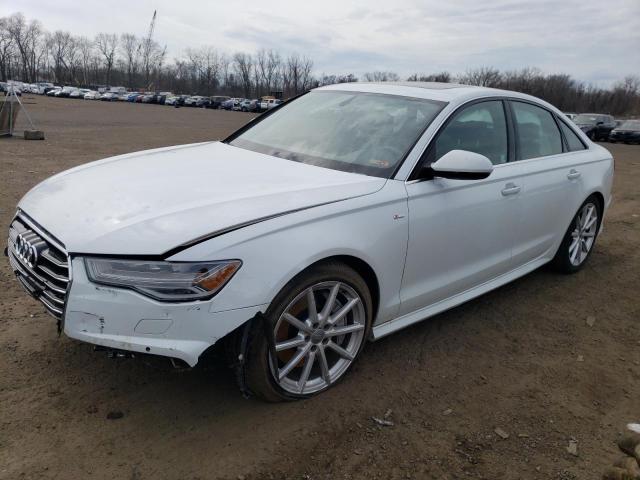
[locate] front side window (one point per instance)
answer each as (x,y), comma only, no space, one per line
(480,128)
(349,131)
(536,131)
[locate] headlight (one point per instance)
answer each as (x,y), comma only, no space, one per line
(165,281)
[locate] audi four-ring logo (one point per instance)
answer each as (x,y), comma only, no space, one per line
(27,252)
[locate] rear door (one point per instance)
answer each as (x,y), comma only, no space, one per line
(461,231)
(551,156)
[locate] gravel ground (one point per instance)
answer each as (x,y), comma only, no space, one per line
(496,388)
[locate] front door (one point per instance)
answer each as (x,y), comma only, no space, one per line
(461,232)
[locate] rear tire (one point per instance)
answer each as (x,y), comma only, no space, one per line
(580,237)
(314,347)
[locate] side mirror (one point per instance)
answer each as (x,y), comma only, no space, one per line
(600,123)
(462,165)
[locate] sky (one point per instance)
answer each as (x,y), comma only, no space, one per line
(593,40)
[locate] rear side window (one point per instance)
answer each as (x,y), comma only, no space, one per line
(480,128)
(573,142)
(536,132)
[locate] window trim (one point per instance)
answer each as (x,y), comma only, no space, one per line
(413,176)
(563,140)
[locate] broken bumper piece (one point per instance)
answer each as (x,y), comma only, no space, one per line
(121,319)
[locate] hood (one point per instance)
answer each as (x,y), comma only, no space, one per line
(149,202)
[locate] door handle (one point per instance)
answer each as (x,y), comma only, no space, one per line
(573,174)
(510,189)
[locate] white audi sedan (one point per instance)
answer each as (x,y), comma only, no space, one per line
(339,217)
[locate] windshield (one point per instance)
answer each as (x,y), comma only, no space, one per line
(630,125)
(587,119)
(349,131)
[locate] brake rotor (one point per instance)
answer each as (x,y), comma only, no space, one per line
(283,333)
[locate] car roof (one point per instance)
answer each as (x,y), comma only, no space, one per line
(446,92)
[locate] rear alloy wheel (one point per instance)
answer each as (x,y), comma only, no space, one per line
(319,327)
(580,237)
(583,235)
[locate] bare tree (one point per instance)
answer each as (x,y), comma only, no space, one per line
(306,69)
(629,85)
(381,77)
(333,79)
(87,55)
(107,43)
(626,94)
(243,66)
(152,58)
(194,65)
(483,77)
(59,44)
(26,37)
(130,47)
(74,61)
(210,69)
(6,48)
(443,77)
(522,80)
(268,63)
(296,74)
(204,68)
(226,72)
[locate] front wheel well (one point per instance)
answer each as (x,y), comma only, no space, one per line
(230,341)
(364,270)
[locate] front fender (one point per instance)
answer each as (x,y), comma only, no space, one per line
(372,228)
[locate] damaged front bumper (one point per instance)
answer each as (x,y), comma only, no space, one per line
(122,319)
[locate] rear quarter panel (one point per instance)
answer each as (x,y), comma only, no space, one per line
(597,167)
(600,172)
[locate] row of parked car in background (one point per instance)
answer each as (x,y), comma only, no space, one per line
(603,127)
(597,126)
(114,94)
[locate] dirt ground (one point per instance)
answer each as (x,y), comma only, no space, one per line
(522,359)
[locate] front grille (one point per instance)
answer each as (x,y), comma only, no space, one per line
(40,263)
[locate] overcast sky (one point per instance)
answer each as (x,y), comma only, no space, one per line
(594,40)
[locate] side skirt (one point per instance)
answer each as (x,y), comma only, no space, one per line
(399,323)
